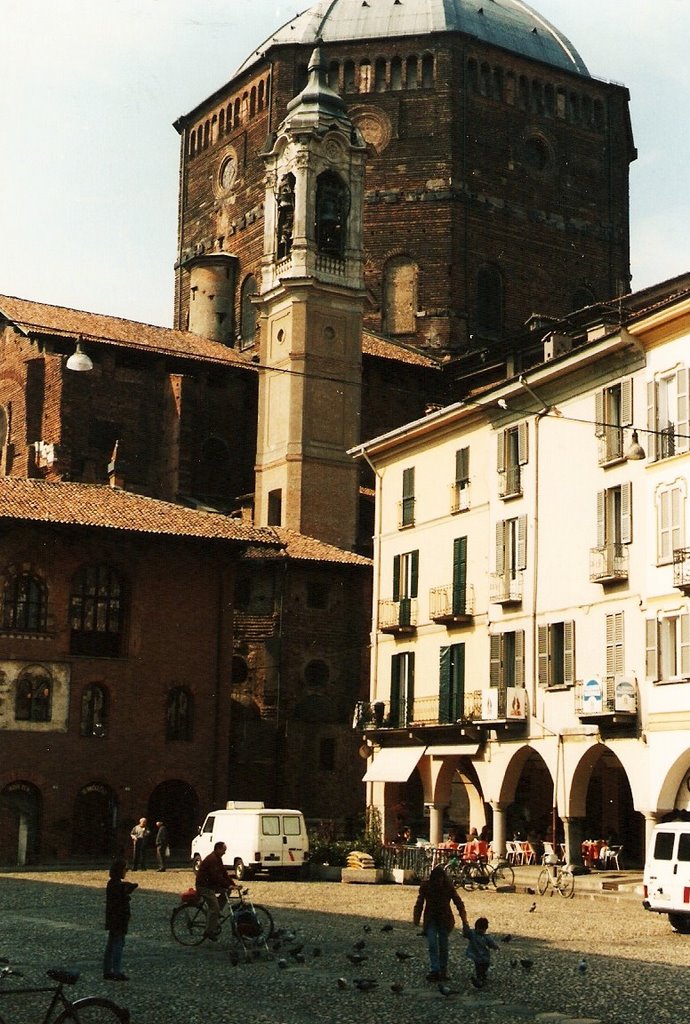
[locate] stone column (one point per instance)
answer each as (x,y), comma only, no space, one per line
(574,834)
(498,842)
(651,820)
(436,823)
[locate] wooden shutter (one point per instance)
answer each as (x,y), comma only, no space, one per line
(500,548)
(522,443)
(601,519)
(444,685)
(522,542)
(462,465)
(414,573)
(519,657)
(396,578)
(408,483)
(495,649)
(651,649)
(410,687)
(626,513)
(395,689)
(543,655)
(683,428)
(501,451)
(664,551)
(677,520)
(459,575)
(615,651)
(569,653)
(685,644)
(626,402)
(458,676)
(651,422)
(599,405)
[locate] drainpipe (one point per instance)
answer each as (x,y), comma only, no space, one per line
(376,590)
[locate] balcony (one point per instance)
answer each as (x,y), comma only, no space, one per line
(506,588)
(611,446)
(406,517)
(422,713)
(398,617)
(510,482)
(502,704)
(681,569)
(459,496)
(445,611)
(614,697)
(608,564)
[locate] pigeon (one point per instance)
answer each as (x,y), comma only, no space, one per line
(365,984)
(356,958)
(341,983)
(366,929)
(282,964)
(387,928)
(445,990)
(527,964)
(531,892)
(532,908)
(582,966)
(359,945)
(397,987)
(507,938)
(514,961)
(402,954)
(316,951)
(299,958)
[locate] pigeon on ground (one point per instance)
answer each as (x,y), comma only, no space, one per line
(532,908)
(341,983)
(507,938)
(365,984)
(387,928)
(359,945)
(397,987)
(402,954)
(531,892)
(366,928)
(356,958)
(514,961)
(446,990)
(527,964)
(282,964)
(582,966)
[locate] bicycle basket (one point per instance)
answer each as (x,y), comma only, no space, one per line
(247,924)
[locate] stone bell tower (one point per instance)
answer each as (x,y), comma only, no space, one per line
(310,309)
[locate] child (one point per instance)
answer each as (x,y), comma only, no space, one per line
(479,946)
(435,897)
(117,914)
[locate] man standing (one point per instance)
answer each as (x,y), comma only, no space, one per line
(161,844)
(140,837)
(212,882)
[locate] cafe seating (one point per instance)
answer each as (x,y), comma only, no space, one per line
(549,852)
(611,855)
(514,853)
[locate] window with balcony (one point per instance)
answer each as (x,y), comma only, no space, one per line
(512,456)
(668,646)
(460,489)
(451,691)
(556,654)
(668,414)
(613,412)
(670,502)
(408,500)
(453,602)
(507,659)
(405,584)
(609,559)
(511,560)
(402,689)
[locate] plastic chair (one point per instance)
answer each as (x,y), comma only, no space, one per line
(612,856)
(548,852)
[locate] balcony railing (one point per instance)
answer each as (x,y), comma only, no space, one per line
(459,496)
(510,483)
(681,569)
(611,445)
(666,441)
(398,616)
(472,706)
(506,588)
(608,563)
(406,513)
(614,695)
(442,607)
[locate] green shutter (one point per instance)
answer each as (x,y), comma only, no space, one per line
(459,575)
(410,688)
(395,689)
(414,573)
(444,685)
(457,709)
(396,578)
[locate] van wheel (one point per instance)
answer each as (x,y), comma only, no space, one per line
(242,871)
(681,923)
(196,861)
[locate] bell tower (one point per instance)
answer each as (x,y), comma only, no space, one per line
(310,309)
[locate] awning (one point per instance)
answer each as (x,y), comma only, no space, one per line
(393,764)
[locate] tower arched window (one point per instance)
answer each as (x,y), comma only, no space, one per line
(221,122)
(396,73)
(261,94)
(248,312)
(349,71)
(334,75)
(24,603)
(380,74)
(179,715)
(365,76)
(427,71)
(285,216)
(332,208)
(252,101)
(411,73)
(400,283)
(94,711)
(97,612)
(192,143)
(33,695)
(489,301)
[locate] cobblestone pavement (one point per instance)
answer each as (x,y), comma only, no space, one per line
(637,968)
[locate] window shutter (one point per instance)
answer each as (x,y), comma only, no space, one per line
(543,655)
(396,578)
(500,548)
(619,646)
(685,644)
(601,519)
(665,528)
(522,443)
(599,429)
(501,451)
(569,653)
(610,645)
(459,679)
(444,685)
(522,542)
(519,657)
(462,465)
(683,428)
(414,572)
(395,689)
(410,686)
(495,646)
(677,517)
(459,575)
(626,402)
(651,649)
(408,483)
(651,422)
(626,513)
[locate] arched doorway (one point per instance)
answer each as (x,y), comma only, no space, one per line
(94,820)
(20,823)
(602,799)
(177,804)
(404,803)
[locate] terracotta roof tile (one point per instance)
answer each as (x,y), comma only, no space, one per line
(308,549)
(382,348)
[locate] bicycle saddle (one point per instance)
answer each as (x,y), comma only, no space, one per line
(65,977)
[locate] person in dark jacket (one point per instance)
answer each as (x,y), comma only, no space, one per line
(433,909)
(117,914)
(212,882)
(162,848)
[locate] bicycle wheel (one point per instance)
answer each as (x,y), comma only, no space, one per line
(188,924)
(94,1010)
(264,918)
(566,884)
(469,877)
(544,881)
(503,876)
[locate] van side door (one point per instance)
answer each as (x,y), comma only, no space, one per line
(293,840)
(272,845)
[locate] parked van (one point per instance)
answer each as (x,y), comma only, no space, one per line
(258,838)
(667,874)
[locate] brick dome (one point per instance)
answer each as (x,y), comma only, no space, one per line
(510,24)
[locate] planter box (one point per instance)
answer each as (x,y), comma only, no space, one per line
(363,876)
(324,873)
(401,876)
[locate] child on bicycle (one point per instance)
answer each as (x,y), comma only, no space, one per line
(479,946)
(435,897)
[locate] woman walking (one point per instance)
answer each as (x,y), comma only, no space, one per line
(433,909)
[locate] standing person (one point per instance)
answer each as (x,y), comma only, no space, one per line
(140,837)
(435,897)
(479,946)
(162,850)
(212,882)
(117,914)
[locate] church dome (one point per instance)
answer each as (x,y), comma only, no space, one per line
(510,24)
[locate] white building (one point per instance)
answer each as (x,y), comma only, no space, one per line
(531,630)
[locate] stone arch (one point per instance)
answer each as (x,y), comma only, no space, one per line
(600,802)
(94,820)
(21,814)
(176,803)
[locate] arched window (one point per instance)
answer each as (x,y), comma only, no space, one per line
(334,75)
(498,84)
(549,101)
(94,711)
(33,695)
(427,71)
(207,134)
(261,94)
(179,725)
(396,73)
(485,80)
(316,674)
(248,312)
(349,69)
(489,301)
(221,122)
(192,143)
(365,76)
(252,101)
(332,207)
(236,113)
(411,73)
(380,74)
(97,612)
(399,306)
(24,603)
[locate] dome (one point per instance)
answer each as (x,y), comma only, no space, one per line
(510,24)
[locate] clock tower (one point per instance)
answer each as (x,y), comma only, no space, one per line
(310,315)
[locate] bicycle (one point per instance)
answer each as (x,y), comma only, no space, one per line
(557,877)
(469,874)
(188,921)
(87,1010)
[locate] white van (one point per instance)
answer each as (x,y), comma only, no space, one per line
(667,874)
(258,838)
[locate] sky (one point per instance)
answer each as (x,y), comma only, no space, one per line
(89,158)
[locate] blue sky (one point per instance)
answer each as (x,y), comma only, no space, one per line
(88,174)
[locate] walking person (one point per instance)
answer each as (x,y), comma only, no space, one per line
(140,836)
(433,909)
(479,946)
(117,914)
(212,882)
(162,848)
